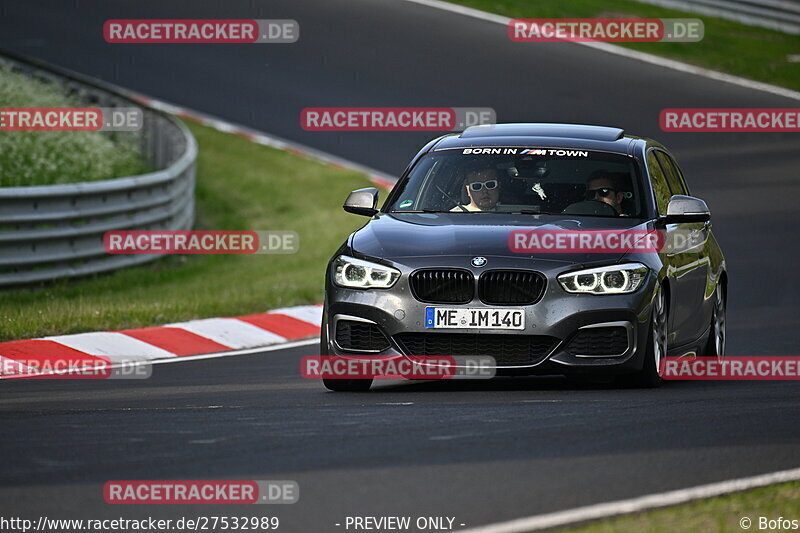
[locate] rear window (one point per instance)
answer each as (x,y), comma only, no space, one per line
(532,180)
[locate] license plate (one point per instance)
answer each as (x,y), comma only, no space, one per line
(474,318)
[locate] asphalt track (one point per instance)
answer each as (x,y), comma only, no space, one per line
(479,451)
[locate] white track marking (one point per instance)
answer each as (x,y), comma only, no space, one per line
(115,346)
(230,332)
(635,505)
(625,52)
(306,313)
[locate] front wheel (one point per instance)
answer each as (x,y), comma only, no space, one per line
(715,347)
(347,385)
(649,376)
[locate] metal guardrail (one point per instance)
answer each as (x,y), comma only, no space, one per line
(780,15)
(56,231)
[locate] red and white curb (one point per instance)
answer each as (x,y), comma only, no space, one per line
(171,341)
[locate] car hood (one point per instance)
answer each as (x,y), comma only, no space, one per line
(394,236)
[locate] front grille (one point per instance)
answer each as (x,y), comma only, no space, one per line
(508,350)
(511,287)
(443,286)
(603,341)
(353,335)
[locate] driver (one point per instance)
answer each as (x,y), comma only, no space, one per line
(605,187)
(483,189)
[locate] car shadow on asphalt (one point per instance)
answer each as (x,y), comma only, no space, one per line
(535,383)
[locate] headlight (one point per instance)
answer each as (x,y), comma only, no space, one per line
(358,274)
(615,279)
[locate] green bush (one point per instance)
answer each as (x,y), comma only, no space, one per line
(45,158)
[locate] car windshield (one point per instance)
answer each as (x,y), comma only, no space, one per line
(522,180)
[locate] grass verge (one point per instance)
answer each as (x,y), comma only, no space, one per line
(240,186)
(747,51)
(52,157)
(714,515)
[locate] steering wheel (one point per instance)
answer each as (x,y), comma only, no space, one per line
(591,207)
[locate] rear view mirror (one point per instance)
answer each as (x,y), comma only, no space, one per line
(686,209)
(362,202)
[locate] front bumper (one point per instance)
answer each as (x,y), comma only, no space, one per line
(558,314)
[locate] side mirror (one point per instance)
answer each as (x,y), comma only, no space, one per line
(686,209)
(362,202)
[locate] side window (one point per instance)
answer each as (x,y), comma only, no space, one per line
(673,177)
(680,174)
(659,181)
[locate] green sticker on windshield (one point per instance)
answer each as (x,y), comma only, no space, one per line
(406,203)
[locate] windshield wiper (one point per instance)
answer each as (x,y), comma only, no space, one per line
(531,212)
(419,211)
(522,212)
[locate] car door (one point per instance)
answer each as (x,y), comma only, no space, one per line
(697,264)
(682,265)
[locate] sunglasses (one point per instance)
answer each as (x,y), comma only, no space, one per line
(478,185)
(603,192)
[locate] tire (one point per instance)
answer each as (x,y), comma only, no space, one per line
(347,385)
(715,346)
(648,376)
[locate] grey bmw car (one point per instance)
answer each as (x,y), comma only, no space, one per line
(434,271)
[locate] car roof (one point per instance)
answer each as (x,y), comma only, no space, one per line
(541,134)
